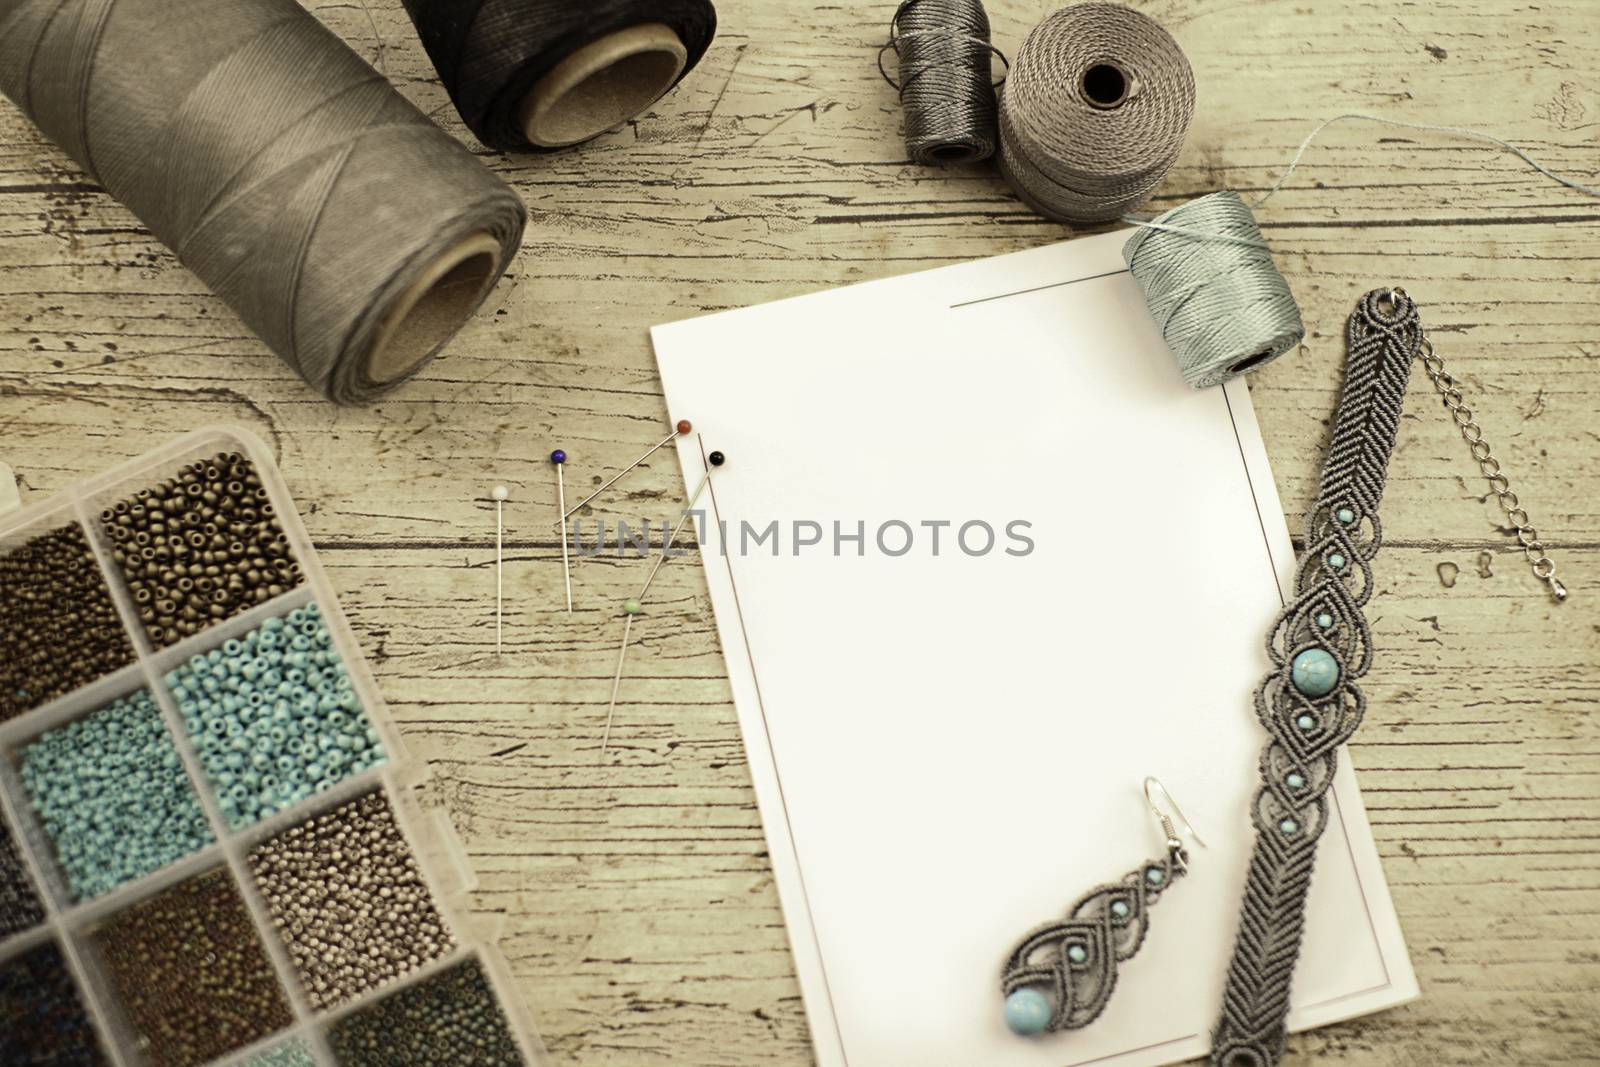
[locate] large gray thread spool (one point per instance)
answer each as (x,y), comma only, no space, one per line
(339,223)
(1094,112)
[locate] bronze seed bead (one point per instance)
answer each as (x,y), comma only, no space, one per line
(194,522)
(190,971)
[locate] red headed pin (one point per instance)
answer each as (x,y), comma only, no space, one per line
(683,427)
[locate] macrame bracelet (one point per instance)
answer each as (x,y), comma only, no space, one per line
(1309,702)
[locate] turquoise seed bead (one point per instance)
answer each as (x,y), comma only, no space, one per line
(112,795)
(1119,909)
(1336,560)
(1314,672)
(1155,875)
(1288,826)
(1306,722)
(1324,620)
(1344,516)
(1027,1012)
(1295,780)
(1076,954)
(267,708)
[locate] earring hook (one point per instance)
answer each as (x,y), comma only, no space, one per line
(1152,785)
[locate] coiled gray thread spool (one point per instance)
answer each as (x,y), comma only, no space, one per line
(1211,285)
(1094,112)
(945,86)
(339,223)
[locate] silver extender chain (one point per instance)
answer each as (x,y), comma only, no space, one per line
(1544,568)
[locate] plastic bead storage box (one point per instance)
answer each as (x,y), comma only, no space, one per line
(213,849)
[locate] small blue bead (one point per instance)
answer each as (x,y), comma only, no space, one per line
(1344,516)
(1306,722)
(1288,826)
(1155,876)
(1314,672)
(1119,909)
(1324,621)
(1336,560)
(1027,1012)
(1076,954)
(1295,780)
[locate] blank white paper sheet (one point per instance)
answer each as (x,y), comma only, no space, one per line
(948,743)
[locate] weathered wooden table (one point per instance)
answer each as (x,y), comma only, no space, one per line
(640,913)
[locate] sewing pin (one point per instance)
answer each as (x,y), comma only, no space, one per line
(500,494)
(559,458)
(634,605)
(683,427)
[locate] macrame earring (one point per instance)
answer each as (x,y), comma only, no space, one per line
(1060,977)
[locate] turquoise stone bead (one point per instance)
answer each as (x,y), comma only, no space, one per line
(1295,780)
(1155,876)
(1344,516)
(1324,621)
(1336,560)
(1288,826)
(1119,909)
(1314,672)
(1076,954)
(1027,1012)
(1306,722)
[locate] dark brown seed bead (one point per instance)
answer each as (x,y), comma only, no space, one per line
(195,527)
(58,627)
(19,904)
(349,900)
(42,1018)
(191,973)
(451,1018)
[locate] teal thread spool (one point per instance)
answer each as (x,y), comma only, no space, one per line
(265,710)
(113,796)
(1212,286)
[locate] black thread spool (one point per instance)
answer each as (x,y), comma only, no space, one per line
(537,75)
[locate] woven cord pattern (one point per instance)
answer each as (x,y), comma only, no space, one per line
(1076,958)
(1332,583)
